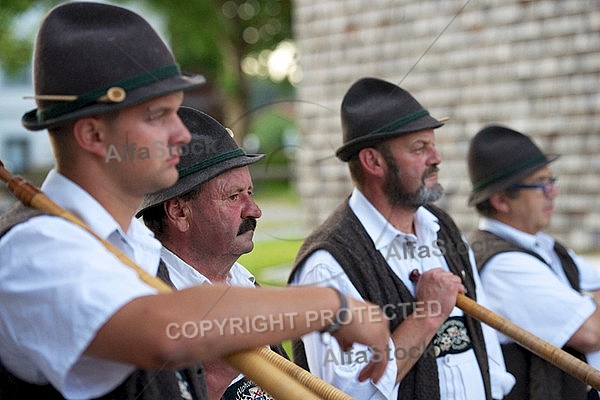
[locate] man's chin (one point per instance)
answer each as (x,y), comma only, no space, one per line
(431,194)
(169,178)
(246,247)
(245,240)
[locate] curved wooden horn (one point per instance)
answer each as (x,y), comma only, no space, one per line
(272,372)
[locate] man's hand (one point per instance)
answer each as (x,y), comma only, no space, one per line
(441,286)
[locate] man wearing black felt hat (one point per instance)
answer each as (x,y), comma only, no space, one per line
(387,231)
(76,321)
(531,279)
(205,222)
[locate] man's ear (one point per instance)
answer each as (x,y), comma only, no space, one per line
(500,202)
(178,213)
(90,135)
(372,161)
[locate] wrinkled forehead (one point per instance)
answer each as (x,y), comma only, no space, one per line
(426,136)
(234,179)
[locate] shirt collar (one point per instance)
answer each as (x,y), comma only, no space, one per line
(76,200)
(138,242)
(240,276)
(184,275)
(381,232)
(523,239)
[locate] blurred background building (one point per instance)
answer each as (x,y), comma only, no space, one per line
(532,65)
(278,70)
(21,151)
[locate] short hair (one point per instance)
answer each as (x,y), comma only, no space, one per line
(356,171)
(155,217)
(486,209)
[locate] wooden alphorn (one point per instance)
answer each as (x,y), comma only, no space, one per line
(272,372)
(538,346)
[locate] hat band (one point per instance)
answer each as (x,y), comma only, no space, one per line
(508,172)
(134,82)
(402,121)
(228,155)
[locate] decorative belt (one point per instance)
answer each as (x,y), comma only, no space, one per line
(452,338)
(245,389)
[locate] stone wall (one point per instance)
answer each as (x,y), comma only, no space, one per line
(532,65)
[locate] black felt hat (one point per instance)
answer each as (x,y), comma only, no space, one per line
(211,152)
(374,110)
(499,157)
(92,58)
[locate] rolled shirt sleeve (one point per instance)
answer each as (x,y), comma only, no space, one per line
(324,355)
(58,287)
(550,309)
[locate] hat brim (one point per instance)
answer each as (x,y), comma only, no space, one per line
(352,147)
(159,88)
(495,187)
(192,181)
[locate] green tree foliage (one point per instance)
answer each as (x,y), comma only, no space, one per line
(16,40)
(208,37)
(213,37)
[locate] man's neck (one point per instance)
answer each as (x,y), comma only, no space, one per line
(121,206)
(400,217)
(213,273)
(518,225)
(215,269)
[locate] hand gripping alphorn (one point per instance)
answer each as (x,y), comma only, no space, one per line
(538,346)
(281,378)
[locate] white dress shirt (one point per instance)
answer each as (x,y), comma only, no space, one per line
(534,296)
(183,275)
(459,374)
(59,285)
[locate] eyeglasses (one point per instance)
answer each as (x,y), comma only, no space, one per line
(546,187)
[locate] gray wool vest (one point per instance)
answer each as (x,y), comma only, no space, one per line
(536,378)
(345,238)
(140,385)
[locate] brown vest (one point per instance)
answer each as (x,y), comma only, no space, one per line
(536,378)
(345,238)
(140,385)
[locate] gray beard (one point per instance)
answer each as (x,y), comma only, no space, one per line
(397,193)
(422,196)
